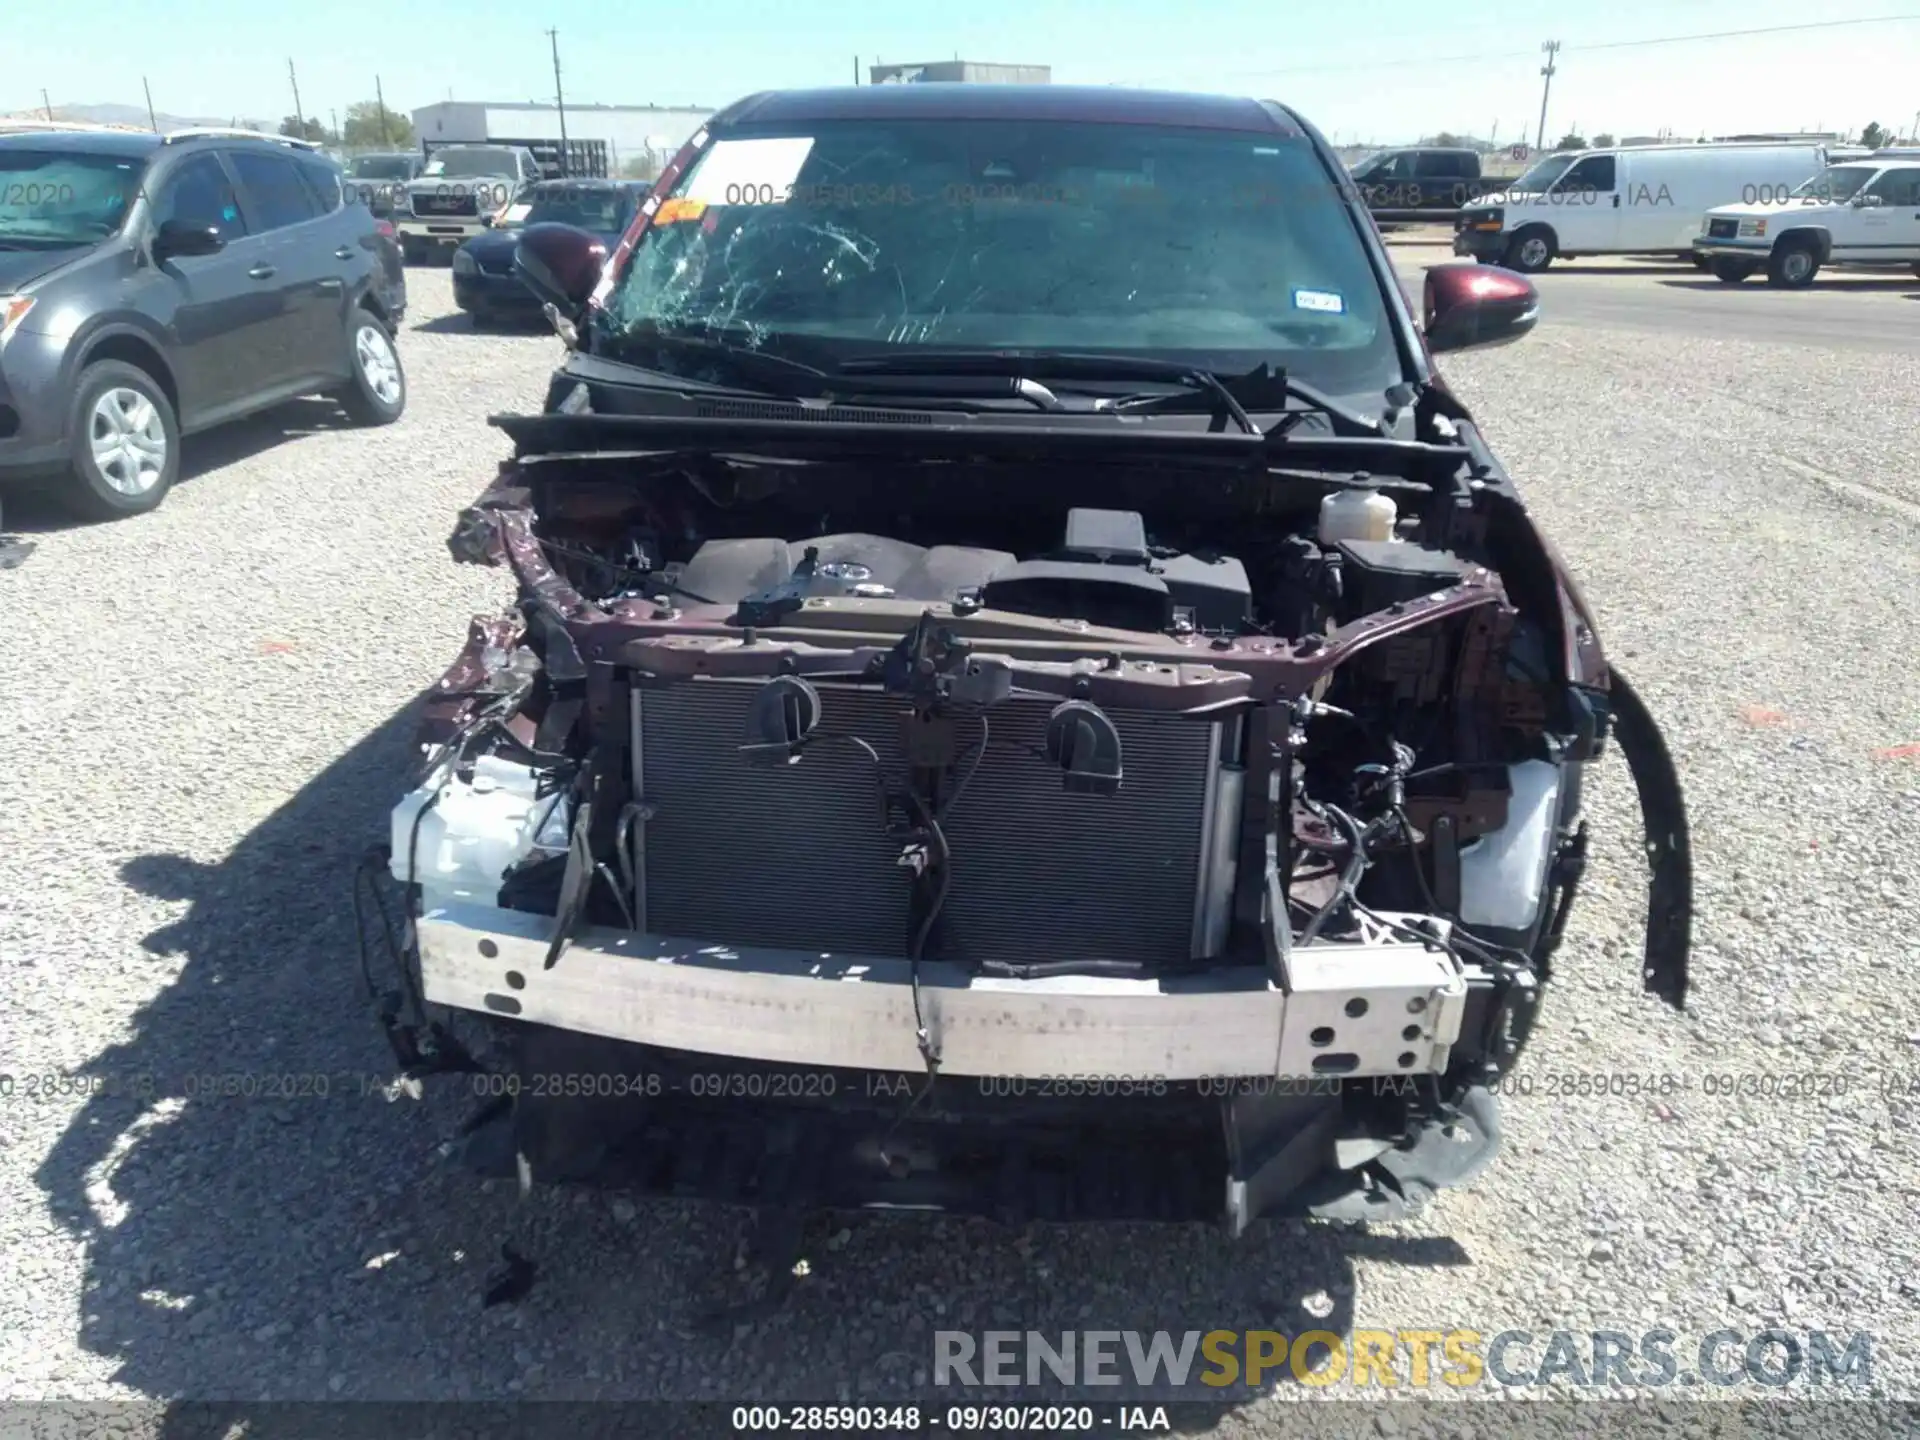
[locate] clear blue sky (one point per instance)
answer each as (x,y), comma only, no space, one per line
(1385,71)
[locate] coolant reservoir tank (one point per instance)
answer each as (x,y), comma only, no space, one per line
(1357,515)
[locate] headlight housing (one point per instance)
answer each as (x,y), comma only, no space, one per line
(464,264)
(1753,229)
(13,309)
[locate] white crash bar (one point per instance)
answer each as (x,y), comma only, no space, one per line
(802,1008)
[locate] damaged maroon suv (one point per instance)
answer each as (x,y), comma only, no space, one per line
(1028,696)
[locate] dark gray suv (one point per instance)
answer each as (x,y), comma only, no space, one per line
(154,286)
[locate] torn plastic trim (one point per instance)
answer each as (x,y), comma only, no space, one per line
(1669,844)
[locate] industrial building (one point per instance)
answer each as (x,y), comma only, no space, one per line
(963,72)
(630,132)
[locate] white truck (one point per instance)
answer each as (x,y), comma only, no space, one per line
(1629,200)
(451,199)
(1863,212)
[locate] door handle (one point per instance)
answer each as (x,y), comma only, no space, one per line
(345,252)
(1616,202)
(260,272)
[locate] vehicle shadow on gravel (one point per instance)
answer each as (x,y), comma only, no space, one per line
(271,1227)
(34,510)
(461,323)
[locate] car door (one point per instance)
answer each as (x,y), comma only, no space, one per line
(1585,206)
(206,302)
(1441,177)
(303,342)
(1887,226)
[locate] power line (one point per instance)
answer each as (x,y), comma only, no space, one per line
(1492,55)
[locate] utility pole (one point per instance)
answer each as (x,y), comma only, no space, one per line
(856,69)
(335,116)
(48,104)
(560,105)
(1550,49)
(152,119)
(381,100)
(299,115)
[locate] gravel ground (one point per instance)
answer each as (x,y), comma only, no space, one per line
(206,712)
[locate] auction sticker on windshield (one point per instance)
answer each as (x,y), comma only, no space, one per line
(749,172)
(1327,302)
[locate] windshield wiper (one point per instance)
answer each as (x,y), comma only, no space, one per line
(771,374)
(1055,365)
(1261,389)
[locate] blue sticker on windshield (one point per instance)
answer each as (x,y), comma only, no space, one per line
(1328,302)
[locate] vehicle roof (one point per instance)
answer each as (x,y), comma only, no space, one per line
(86,142)
(1099,104)
(1893,152)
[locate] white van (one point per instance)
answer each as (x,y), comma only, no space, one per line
(1860,212)
(1634,200)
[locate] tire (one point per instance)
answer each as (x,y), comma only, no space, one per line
(123,443)
(1731,269)
(1699,262)
(1530,251)
(1793,264)
(377,393)
(412,252)
(1916,272)
(481,320)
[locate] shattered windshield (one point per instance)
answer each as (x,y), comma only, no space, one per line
(1217,248)
(1835,185)
(52,198)
(466,164)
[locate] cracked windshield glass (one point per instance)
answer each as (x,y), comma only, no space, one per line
(858,237)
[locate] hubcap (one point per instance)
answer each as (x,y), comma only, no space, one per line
(378,365)
(128,440)
(1533,251)
(1798,264)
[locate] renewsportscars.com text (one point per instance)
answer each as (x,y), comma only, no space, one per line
(1414,1359)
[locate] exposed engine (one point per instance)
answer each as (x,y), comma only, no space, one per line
(1243,779)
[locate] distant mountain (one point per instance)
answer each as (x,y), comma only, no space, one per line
(137,115)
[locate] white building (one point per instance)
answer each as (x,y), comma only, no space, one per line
(631,132)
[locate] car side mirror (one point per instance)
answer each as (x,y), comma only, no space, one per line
(561,264)
(1472,306)
(1868,202)
(177,238)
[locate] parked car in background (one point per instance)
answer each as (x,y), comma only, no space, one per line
(1631,200)
(484,282)
(1865,212)
(456,189)
(1421,182)
(380,181)
(152,286)
(1026,692)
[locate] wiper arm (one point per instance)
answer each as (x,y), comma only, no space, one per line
(775,374)
(1055,365)
(1282,387)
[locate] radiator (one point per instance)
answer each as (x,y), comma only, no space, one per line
(796,856)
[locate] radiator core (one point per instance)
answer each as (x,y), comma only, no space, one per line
(796,856)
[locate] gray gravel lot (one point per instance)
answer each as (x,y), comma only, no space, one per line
(207,710)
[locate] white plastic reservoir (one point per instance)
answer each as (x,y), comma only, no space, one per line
(474,832)
(1502,875)
(1357,515)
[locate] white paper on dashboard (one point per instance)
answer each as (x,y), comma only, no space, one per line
(749,172)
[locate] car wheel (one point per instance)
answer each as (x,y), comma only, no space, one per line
(1731,269)
(124,443)
(479,320)
(1699,262)
(412,252)
(1531,251)
(377,394)
(1793,264)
